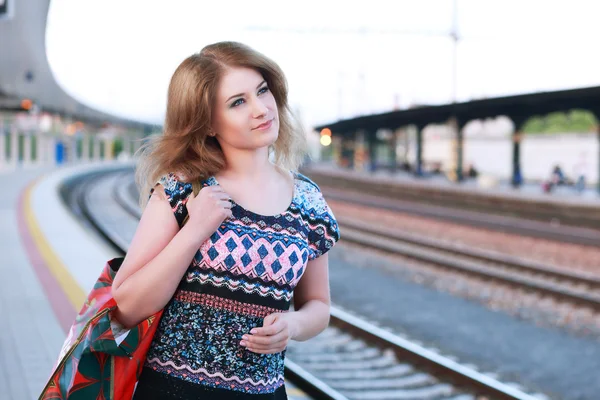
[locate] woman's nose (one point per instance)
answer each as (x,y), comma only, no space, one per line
(259,109)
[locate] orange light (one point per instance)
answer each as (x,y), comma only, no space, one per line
(26,104)
(325,140)
(325,132)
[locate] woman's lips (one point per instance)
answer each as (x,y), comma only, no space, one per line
(264,126)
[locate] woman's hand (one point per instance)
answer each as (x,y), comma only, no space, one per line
(209,208)
(277,330)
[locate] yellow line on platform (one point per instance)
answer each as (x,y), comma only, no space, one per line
(66,281)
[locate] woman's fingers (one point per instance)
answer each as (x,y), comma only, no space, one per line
(275,347)
(218,193)
(259,341)
(225,204)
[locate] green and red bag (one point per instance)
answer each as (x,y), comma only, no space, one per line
(91,365)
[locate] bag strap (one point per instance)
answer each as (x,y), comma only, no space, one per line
(196,187)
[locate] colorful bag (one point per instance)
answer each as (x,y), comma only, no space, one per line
(91,364)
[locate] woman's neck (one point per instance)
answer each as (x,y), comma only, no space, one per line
(248,165)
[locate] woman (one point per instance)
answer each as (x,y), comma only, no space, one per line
(256,233)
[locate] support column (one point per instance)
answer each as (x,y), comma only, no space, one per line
(393,162)
(517,136)
(336,149)
(372,145)
(39,148)
(359,157)
(347,152)
(3,133)
(85,147)
(406,133)
(96,149)
(52,139)
(349,148)
(460,150)
(35,147)
(47,149)
(598,129)
(27,149)
(597,115)
(14,146)
(109,149)
(44,149)
(419,151)
(457,126)
(517,177)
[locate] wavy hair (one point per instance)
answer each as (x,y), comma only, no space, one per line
(185,146)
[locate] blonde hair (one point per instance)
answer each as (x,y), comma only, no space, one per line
(185,146)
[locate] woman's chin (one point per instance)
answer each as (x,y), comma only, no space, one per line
(267,138)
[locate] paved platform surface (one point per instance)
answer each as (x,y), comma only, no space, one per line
(32,336)
(49,262)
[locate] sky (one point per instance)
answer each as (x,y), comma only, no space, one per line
(342,58)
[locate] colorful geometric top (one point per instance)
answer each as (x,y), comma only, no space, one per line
(245,271)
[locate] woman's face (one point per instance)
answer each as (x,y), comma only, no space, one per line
(245,115)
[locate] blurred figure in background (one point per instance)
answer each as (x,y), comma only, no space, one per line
(557,178)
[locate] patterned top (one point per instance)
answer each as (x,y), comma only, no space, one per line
(246,270)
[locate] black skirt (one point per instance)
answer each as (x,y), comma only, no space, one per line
(158,386)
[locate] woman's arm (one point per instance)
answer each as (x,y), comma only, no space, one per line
(160,253)
(156,260)
(311,301)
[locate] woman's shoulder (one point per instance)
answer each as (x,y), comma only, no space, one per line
(323,228)
(174,182)
(309,195)
(169,180)
(305,183)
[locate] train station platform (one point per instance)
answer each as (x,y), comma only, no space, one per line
(50,261)
(483,185)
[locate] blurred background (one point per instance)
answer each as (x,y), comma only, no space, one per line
(457,142)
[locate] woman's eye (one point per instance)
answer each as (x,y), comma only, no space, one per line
(236,103)
(262,90)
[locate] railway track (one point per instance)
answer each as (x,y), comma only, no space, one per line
(502,223)
(546,217)
(352,359)
(580,289)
